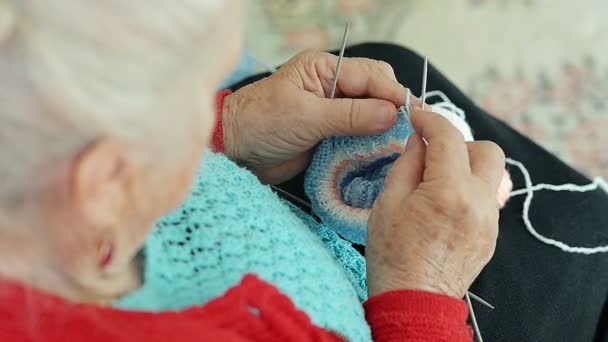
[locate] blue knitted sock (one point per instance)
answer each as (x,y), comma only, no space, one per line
(347,173)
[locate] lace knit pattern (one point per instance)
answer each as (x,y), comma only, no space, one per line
(232,225)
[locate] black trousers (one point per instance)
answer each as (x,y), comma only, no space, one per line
(540,293)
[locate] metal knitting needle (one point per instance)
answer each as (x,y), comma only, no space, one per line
(425,72)
(332,95)
(344,40)
(295,198)
(480,300)
(473,319)
(467,294)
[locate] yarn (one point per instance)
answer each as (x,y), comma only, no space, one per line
(448,110)
(529,189)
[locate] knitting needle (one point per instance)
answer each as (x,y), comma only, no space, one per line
(332,95)
(467,294)
(295,198)
(344,39)
(473,319)
(480,300)
(425,71)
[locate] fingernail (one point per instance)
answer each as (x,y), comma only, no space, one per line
(387,119)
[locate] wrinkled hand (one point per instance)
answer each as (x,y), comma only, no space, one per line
(435,226)
(271,126)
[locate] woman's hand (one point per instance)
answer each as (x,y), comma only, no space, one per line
(435,226)
(271,126)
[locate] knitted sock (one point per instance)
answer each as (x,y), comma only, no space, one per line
(347,174)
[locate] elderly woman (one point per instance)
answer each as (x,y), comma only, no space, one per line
(106,109)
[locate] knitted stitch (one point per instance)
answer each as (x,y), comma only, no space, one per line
(232,225)
(347,173)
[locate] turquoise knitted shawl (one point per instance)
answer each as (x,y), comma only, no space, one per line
(231,225)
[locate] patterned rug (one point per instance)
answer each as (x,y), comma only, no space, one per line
(540,65)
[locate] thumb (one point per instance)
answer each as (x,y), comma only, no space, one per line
(354,116)
(408,170)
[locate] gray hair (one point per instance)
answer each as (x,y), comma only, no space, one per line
(74,70)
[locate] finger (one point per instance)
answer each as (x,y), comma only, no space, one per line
(407,172)
(487,162)
(352,116)
(362,77)
(447,153)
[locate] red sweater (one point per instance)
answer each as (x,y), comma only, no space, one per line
(251,311)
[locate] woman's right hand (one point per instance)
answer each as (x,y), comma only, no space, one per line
(434,227)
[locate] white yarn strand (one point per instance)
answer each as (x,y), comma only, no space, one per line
(529,191)
(445,103)
(598,183)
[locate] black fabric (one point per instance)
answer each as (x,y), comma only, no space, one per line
(540,293)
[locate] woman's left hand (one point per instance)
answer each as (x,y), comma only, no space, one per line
(272,126)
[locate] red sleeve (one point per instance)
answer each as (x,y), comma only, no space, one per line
(417,316)
(217,142)
(252,311)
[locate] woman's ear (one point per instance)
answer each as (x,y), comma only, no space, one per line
(100,178)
